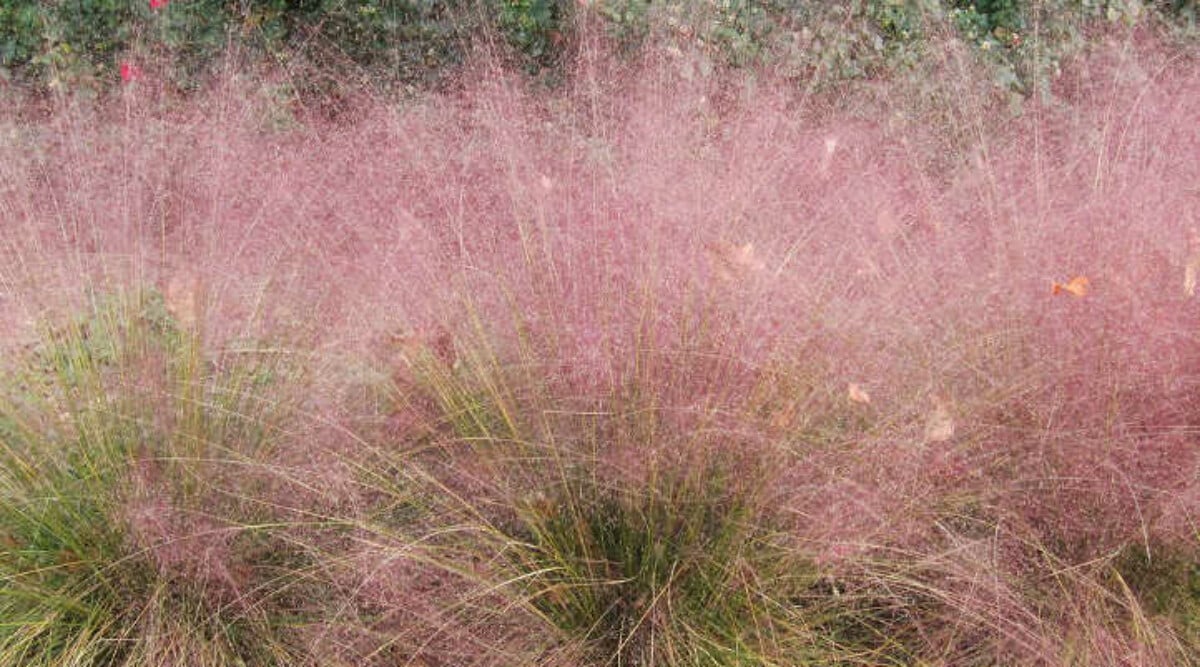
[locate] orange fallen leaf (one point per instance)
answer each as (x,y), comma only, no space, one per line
(182,298)
(939,425)
(1076,287)
(857,394)
(783,417)
(733,263)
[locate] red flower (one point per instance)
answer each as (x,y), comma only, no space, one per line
(155,4)
(130,72)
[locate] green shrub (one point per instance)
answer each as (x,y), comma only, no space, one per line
(533,27)
(20,32)
(409,42)
(994,21)
(76,42)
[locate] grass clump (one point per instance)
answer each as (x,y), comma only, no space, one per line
(627,530)
(660,575)
(118,530)
(687,572)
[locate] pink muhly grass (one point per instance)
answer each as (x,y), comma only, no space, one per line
(669,268)
(183,545)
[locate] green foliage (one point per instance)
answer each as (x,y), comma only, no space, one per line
(988,19)
(74,42)
(409,42)
(741,29)
(898,20)
(407,39)
(20,32)
(190,36)
(534,27)
(1167,583)
(628,22)
(1184,10)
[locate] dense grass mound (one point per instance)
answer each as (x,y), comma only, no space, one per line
(681,574)
(122,543)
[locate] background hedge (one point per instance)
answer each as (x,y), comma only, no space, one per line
(78,43)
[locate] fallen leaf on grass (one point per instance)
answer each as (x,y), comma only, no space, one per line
(182,298)
(732,262)
(939,425)
(1192,268)
(1076,287)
